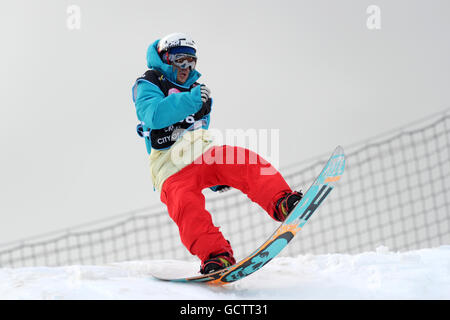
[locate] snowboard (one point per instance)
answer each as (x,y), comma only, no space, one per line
(294,222)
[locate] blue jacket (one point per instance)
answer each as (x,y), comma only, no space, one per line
(153,108)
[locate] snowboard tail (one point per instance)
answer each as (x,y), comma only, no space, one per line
(302,212)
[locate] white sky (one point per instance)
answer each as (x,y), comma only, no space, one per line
(312,69)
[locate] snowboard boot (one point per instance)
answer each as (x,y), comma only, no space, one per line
(286,204)
(217,262)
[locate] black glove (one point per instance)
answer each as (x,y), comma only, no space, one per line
(205,109)
(205,92)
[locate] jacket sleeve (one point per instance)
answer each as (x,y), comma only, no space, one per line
(158,111)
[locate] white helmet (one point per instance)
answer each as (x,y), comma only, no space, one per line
(175,40)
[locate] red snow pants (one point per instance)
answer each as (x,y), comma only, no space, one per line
(236,167)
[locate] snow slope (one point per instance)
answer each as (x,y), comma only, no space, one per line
(381,274)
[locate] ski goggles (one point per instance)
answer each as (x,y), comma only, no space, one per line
(183,60)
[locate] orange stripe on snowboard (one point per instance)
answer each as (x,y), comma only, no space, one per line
(332,179)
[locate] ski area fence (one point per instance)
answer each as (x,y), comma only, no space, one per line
(394,193)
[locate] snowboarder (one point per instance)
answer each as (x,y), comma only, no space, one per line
(174,113)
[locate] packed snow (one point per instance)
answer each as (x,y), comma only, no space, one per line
(380,274)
